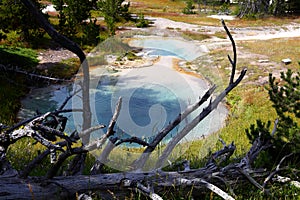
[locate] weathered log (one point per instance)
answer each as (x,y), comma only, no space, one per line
(68,187)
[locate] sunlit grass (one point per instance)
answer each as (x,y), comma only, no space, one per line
(247,104)
(267,21)
(159,5)
(24,151)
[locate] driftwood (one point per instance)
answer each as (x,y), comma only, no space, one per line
(48,129)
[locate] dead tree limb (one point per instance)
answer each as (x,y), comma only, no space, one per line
(33,75)
(208,109)
(139,163)
(199,182)
(277,170)
(72,46)
(70,185)
(110,130)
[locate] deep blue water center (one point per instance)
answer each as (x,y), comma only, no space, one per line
(147,106)
(143,98)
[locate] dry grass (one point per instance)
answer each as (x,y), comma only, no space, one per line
(173,10)
(267,21)
(157,5)
(277,49)
(190,35)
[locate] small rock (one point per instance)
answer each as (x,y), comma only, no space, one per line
(263,61)
(286,61)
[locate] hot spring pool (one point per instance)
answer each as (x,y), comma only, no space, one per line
(152,96)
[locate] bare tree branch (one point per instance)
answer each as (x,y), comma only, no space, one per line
(90,130)
(206,111)
(68,98)
(98,143)
(197,182)
(33,75)
(277,169)
(234,61)
(140,162)
(132,140)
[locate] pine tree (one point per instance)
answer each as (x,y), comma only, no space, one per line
(72,14)
(285,96)
(14,17)
(114,11)
(257,8)
(189,9)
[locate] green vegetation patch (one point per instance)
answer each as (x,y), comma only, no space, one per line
(112,45)
(64,69)
(12,86)
(11,90)
(24,58)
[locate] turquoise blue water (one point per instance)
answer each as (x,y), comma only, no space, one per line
(160,52)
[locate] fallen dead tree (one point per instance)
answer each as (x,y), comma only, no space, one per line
(48,129)
(33,76)
(13,187)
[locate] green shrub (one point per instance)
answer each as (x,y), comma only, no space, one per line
(142,22)
(189,9)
